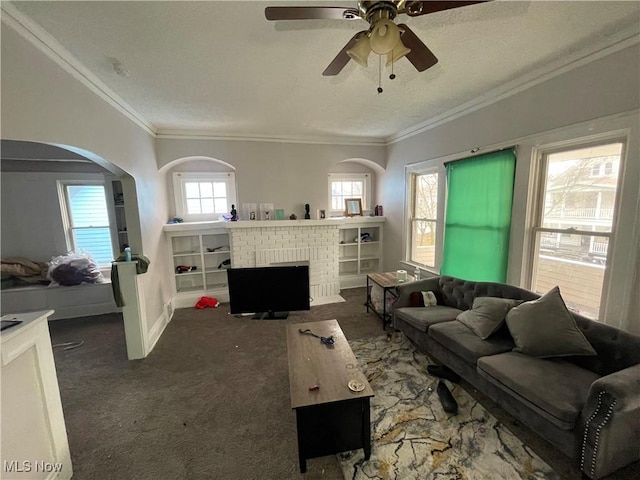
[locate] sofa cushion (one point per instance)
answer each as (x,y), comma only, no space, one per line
(459,293)
(487,315)
(545,328)
(463,342)
(422,317)
(416,299)
(554,388)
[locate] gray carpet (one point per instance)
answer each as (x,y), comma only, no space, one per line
(210,402)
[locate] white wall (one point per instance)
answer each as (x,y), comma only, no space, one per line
(30,205)
(41,102)
(285,174)
(562,107)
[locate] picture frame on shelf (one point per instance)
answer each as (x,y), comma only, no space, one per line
(353,207)
(279,214)
(266,211)
(249,211)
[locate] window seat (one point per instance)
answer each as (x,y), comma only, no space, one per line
(67,302)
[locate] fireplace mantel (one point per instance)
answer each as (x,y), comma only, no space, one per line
(335,259)
(335,221)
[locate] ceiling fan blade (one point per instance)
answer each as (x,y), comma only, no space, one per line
(420,56)
(338,63)
(414,9)
(311,13)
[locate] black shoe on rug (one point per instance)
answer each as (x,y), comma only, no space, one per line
(443,372)
(449,403)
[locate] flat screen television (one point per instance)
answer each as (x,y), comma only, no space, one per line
(269,292)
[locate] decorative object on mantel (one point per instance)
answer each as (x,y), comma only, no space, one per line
(378,211)
(279,214)
(249,211)
(322,214)
(307,216)
(175,220)
(293,216)
(234,213)
(266,211)
(353,207)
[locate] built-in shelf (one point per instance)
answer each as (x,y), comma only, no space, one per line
(359,258)
(190,248)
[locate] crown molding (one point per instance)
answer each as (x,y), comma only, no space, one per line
(621,40)
(43,41)
(314,140)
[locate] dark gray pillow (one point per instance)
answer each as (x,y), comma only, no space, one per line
(487,315)
(545,328)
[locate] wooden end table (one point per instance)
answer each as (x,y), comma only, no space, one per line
(331,418)
(388,281)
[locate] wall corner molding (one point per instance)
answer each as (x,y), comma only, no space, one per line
(608,46)
(45,43)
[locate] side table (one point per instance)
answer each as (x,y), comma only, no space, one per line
(388,281)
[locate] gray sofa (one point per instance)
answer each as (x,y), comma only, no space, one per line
(587,407)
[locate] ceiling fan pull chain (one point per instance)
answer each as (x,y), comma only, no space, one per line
(379,74)
(393,75)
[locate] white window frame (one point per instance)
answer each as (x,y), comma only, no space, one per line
(180,178)
(365,178)
(422,168)
(536,205)
(65,210)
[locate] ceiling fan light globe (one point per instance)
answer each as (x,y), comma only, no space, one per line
(359,53)
(385,35)
(397,53)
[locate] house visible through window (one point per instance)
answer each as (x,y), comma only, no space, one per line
(343,186)
(575,224)
(424,218)
(87,221)
(204,196)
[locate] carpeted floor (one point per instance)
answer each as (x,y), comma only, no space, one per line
(210,402)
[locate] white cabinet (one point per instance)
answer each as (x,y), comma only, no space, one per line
(33,438)
(360,252)
(200,261)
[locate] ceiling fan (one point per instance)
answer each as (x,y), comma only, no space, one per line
(383,37)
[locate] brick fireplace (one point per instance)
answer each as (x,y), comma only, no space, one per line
(316,243)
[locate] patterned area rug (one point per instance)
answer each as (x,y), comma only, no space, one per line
(412,436)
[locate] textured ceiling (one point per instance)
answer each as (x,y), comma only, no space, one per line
(220,67)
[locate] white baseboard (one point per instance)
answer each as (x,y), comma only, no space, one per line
(157,330)
(326,300)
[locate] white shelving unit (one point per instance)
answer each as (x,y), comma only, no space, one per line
(208,254)
(121,219)
(357,258)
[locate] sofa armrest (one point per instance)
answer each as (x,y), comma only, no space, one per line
(406,289)
(611,418)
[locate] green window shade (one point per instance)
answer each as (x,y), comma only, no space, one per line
(478,217)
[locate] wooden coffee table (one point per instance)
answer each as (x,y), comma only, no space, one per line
(332,418)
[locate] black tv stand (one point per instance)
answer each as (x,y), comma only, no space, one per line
(270,315)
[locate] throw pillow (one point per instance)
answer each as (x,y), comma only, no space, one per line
(416,300)
(429,299)
(545,328)
(487,315)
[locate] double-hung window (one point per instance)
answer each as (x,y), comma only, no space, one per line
(203,196)
(426,189)
(348,185)
(86,220)
(574,223)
